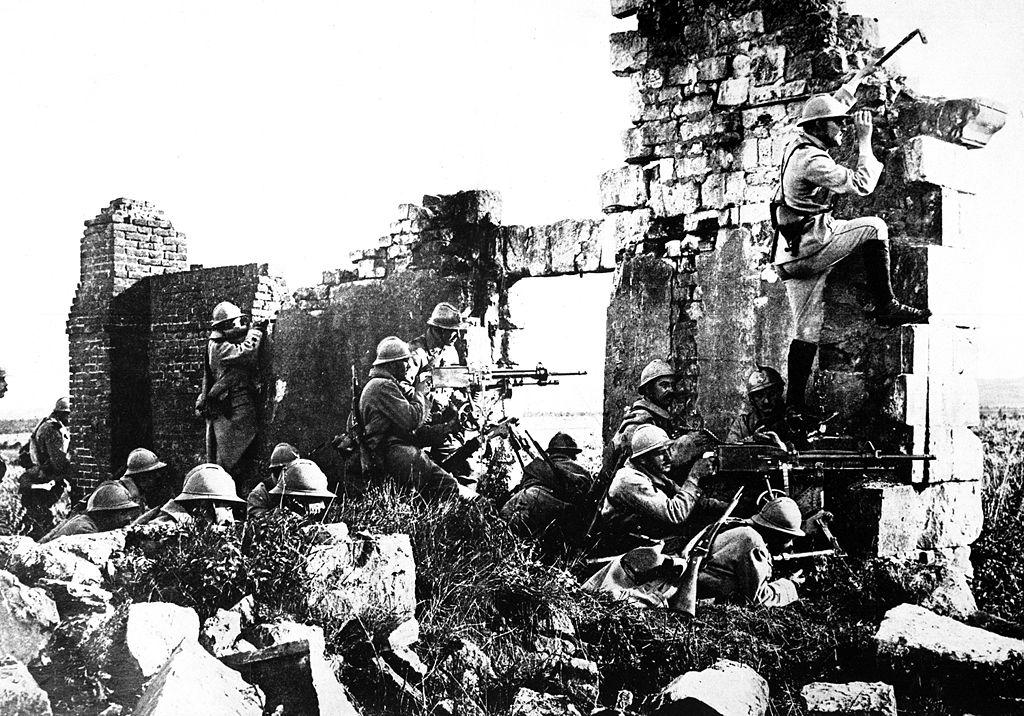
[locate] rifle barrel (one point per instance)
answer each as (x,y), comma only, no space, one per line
(793,556)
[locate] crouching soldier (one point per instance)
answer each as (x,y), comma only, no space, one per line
(644,503)
(302,489)
(259,500)
(109,507)
(549,499)
(392,410)
(208,495)
(146,479)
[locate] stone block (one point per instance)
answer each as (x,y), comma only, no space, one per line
(221,631)
(967,122)
(193,682)
(31,563)
(733,91)
(153,631)
(953,515)
(726,688)
(960,218)
(20,695)
(767,64)
(532,703)
(686,74)
(363,574)
(675,199)
(27,619)
(94,548)
(777,92)
(623,188)
(959,455)
(711,69)
(934,161)
(631,228)
(635,149)
(914,639)
(952,596)
(856,698)
(629,52)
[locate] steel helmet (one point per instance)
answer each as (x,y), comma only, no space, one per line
(392,349)
(563,442)
(208,482)
(781,515)
(303,478)
(143,460)
(446,316)
(225,311)
(283,454)
(762,378)
(822,106)
(63,405)
(110,496)
(647,439)
(657,368)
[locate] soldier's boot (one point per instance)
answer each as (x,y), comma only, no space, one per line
(798,369)
(887,311)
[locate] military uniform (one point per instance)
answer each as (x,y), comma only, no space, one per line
(232,428)
(81,524)
(545,502)
(639,502)
(170,513)
(746,427)
(259,501)
(391,412)
(43,484)
(642,412)
(440,433)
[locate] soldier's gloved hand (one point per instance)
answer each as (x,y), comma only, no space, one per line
(261,325)
(812,525)
(689,447)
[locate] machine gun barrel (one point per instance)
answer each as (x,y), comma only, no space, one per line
(794,556)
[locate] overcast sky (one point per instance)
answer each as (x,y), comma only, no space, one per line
(287,132)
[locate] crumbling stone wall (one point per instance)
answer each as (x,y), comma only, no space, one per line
(715,86)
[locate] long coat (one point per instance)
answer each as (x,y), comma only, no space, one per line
(546,501)
(233,369)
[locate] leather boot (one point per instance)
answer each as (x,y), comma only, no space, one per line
(798,368)
(887,311)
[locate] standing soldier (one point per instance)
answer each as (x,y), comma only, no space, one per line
(230,396)
(814,241)
(48,471)
(391,411)
(441,432)
(259,501)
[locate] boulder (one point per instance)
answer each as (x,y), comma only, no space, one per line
(330,694)
(363,575)
(27,619)
(73,598)
(246,610)
(727,688)
(193,682)
(563,674)
(31,562)
(468,671)
(914,639)
(952,597)
(857,698)
(154,629)
(221,631)
(95,548)
(532,703)
(10,544)
(20,695)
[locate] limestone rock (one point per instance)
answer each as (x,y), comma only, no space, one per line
(952,597)
(193,682)
(221,631)
(20,695)
(912,638)
(727,688)
(95,548)
(73,598)
(31,562)
(362,574)
(246,610)
(468,671)
(10,544)
(154,629)
(531,703)
(857,698)
(562,673)
(27,618)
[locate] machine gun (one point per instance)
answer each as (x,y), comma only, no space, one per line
(501,379)
(766,462)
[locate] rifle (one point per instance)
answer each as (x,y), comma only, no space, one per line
(685,600)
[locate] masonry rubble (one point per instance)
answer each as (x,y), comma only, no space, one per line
(856,698)
(20,695)
(726,688)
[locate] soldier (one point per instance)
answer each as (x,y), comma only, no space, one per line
(109,507)
(814,241)
(303,489)
(391,412)
(548,501)
(643,501)
(441,431)
(737,570)
(230,396)
(3,382)
(766,421)
(146,479)
(208,495)
(258,500)
(43,482)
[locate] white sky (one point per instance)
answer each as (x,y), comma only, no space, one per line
(288,132)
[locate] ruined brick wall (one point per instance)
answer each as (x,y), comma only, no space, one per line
(716,85)
(108,329)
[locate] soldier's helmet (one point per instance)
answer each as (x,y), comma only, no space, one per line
(657,368)
(208,482)
(762,378)
(822,106)
(563,442)
(446,316)
(63,405)
(283,454)
(391,349)
(303,478)
(225,312)
(647,439)
(110,496)
(142,460)
(781,515)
